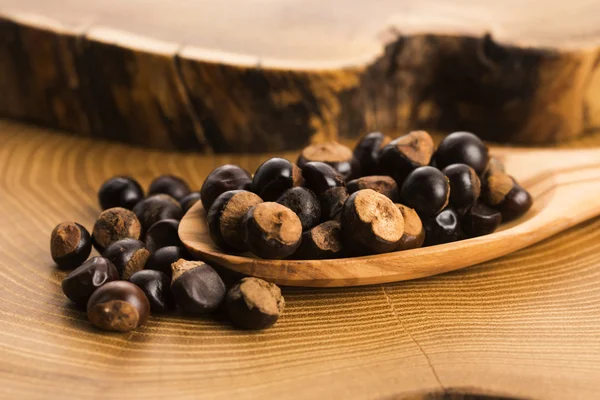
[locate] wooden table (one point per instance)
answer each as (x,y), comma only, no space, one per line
(524,326)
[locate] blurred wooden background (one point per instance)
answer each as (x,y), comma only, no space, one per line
(249,76)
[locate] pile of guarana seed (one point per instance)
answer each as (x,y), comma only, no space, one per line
(133,279)
(386,195)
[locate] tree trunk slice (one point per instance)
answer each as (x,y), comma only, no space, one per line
(254,78)
(524,326)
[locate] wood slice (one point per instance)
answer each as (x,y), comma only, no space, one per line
(41,76)
(242,77)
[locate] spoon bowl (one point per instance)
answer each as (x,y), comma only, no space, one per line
(565,186)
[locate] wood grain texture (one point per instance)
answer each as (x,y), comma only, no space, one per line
(523,326)
(551,176)
(227,93)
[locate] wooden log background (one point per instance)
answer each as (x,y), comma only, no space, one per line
(274,76)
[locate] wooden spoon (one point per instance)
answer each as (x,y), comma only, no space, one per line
(565,185)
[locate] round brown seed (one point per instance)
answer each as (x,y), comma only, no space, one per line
(196,286)
(371,223)
(254,304)
(128,255)
(385,185)
(414,233)
(321,242)
(272,230)
(335,154)
(225,218)
(70,245)
(118,306)
(115,224)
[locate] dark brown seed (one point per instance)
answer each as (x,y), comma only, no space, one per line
(443,228)
(427,190)
(162,234)
(414,233)
(320,177)
(515,204)
(332,202)
(385,185)
(371,223)
(222,179)
(254,304)
(465,186)
(120,191)
(272,230)
(304,203)
(157,288)
(115,224)
(196,287)
(188,201)
(496,187)
(171,185)
(118,306)
(462,148)
(162,259)
(403,155)
(156,208)
(321,242)
(334,154)
(79,285)
(274,177)
(225,218)
(70,245)
(480,220)
(367,151)
(128,255)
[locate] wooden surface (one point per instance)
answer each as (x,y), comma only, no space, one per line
(240,76)
(523,326)
(551,176)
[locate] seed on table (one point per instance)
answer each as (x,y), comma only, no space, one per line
(120,191)
(128,255)
(79,285)
(118,306)
(196,287)
(254,304)
(115,224)
(157,288)
(162,234)
(156,208)
(70,245)
(222,179)
(174,186)
(162,259)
